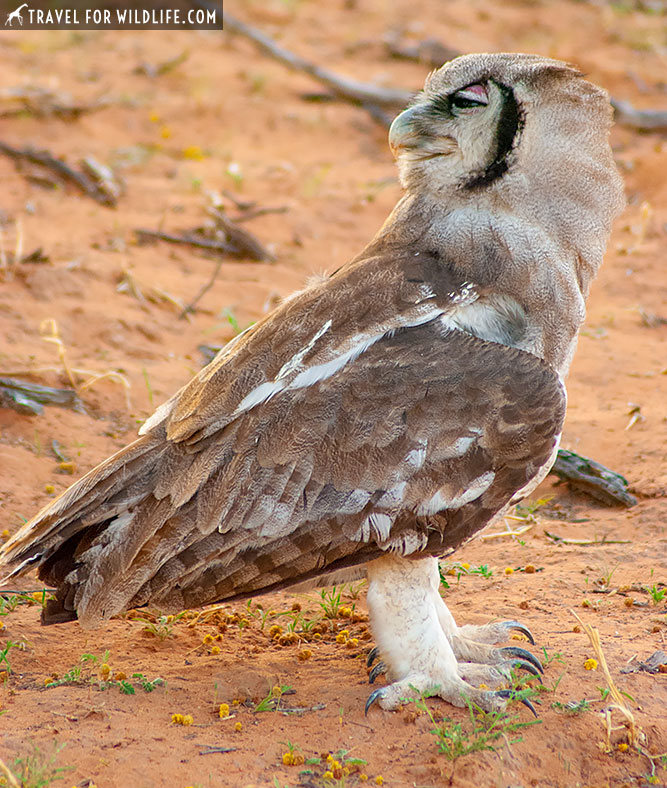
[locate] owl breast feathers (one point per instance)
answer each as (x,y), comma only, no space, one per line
(391,409)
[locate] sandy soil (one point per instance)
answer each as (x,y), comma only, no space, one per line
(228,118)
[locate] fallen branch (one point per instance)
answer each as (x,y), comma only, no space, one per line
(25,397)
(592,478)
(187,238)
(348,89)
(639,119)
(63,171)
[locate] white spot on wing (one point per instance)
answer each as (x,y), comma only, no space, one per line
(441,500)
(416,458)
(259,394)
(296,360)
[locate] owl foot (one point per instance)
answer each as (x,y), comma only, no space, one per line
(424,652)
(491,675)
(393,696)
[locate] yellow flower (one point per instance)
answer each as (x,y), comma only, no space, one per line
(165,132)
(288,759)
(328,775)
(49,488)
(207,639)
(344,612)
(188,719)
(341,638)
(622,746)
(304,654)
(352,642)
(154,117)
(193,152)
(275,631)
(379,780)
(363,777)
(120,676)
(509,570)
(177,719)
(215,650)
(276,691)
(105,670)
(464,565)
(591,664)
(2,625)
(4,535)
(223,711)
(238,726)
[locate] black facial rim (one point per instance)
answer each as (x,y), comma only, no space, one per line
(510,124)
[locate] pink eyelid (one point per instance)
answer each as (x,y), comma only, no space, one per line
(475,92)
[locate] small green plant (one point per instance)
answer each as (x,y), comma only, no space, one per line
(657,594)
(272,701)
(353,590)
(8,604)
(83,673)
(547,658)
(331,602)
(526,510)
(482,570)
(38,769)
(4,660)
(486,729)
(572,706)
(162,627)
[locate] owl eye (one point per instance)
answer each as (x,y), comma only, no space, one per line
(471,97)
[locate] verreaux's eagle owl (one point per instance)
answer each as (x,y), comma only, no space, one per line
(384,414)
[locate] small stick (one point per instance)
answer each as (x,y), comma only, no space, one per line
(212,750)
(192,240)
(202,290)
(244,241)
(253,213)
(45,159)
(585,542)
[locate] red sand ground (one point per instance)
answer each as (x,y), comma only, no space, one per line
(329,164)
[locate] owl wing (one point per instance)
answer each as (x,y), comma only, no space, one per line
(353,421)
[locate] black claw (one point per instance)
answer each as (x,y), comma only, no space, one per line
(523,664)
(520,628)
(377,670)
(372,698)
(512,695)
(372,656)
(517,651)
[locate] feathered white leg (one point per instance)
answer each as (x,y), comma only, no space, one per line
(415,633)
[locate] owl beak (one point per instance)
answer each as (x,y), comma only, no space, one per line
(403,133)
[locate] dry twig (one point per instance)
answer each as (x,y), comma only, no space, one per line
(62,171)
(639,119)
(44,102)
